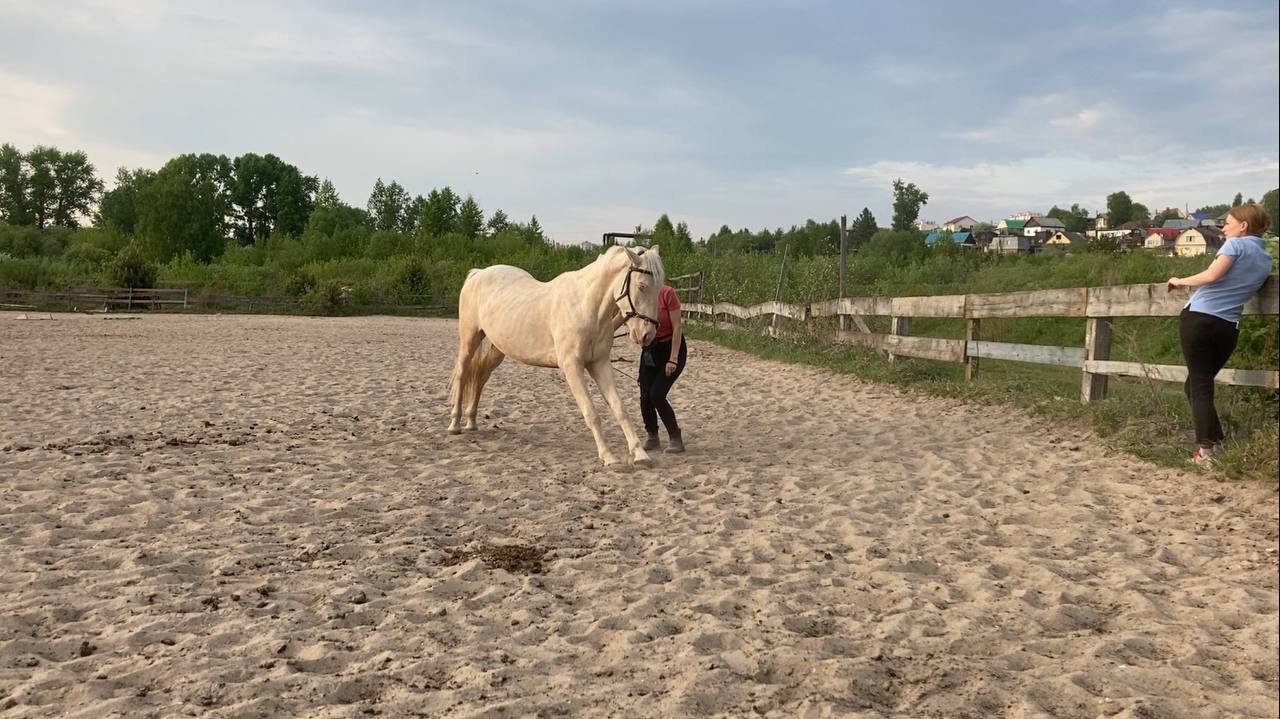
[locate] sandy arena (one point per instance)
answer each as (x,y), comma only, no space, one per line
(245,516)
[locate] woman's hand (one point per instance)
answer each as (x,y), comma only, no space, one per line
(1174,283)
(671,367)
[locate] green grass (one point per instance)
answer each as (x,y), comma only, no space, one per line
(1148,419)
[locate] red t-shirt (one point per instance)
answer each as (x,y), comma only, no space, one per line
(667,301)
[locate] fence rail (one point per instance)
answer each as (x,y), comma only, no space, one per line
(1098,306)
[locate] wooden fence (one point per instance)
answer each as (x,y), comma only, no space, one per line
(132,299)
(1098,306)
(106,299)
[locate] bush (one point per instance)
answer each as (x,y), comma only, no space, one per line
(88,256)
(131,269)
(326,298)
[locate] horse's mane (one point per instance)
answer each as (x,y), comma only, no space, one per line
(648,260)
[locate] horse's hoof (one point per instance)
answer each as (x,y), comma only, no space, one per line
(609,460)
(455,430)
(642,459)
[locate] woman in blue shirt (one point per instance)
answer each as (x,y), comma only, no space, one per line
(1208,327)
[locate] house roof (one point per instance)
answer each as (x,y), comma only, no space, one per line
(1015,224)
(958,238)
(1213,237)
(954,220)
(1134,225)
(1178,224)
(1072,237)
(1167,233)
(1042,221)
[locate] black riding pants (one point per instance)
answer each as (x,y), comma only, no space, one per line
(655,384)
(1207,344)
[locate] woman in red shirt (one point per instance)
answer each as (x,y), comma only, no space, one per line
(660,367)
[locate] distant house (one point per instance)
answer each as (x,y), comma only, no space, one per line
(1062,238)
(1174,223)
(982,238)
(962,239)
(1010,227)
(926,225)
(1160,238)
(1009,244)
(1042,225)
(1204,219)
(1202,240)
(963,223)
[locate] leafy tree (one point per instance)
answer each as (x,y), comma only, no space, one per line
(1270,202)
(470,218)
(533,231)
(387,205)
(77,188)
(42,184)
(896,247)
(1237,200)
(119,206)
(1140,212)
(440,214)
(185,207)
(498,222)
(1120,209)
(684,241)
(1075,219)
(1215,210)
(664,233)
(292,202)
(13,186)
(266,193)
(907,201)
(327,195)
(862,229)
(413,214)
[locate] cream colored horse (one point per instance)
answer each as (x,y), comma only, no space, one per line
(566,323)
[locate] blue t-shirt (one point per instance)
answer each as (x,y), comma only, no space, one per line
(1250,265)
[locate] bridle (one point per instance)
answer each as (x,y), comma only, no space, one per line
(626,295)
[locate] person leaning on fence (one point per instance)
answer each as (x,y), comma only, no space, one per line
(1209,324)
(660,367)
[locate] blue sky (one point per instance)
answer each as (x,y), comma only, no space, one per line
(598,116)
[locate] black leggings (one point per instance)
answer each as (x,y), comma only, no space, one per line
(654,385)
(1207,344)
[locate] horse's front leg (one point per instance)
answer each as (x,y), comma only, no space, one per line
(602,373)
(573,375)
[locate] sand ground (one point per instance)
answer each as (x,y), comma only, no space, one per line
(241,516)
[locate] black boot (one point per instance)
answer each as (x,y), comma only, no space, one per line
(676,443)
(652,442)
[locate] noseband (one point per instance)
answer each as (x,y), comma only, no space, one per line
(626,295)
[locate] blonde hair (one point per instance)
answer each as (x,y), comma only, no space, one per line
(1252,215)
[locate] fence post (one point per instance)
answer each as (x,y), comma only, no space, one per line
(777,296)
(184,297)
(900,326)
(130,300)
(844,253)
(1097,346)
(972,327)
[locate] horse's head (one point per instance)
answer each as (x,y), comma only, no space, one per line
(637,296)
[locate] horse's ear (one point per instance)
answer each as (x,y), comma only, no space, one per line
(635,259)
(653,249)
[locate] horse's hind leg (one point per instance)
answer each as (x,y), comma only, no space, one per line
(469,340)
(485,360)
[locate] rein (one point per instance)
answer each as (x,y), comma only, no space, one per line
(626,294)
